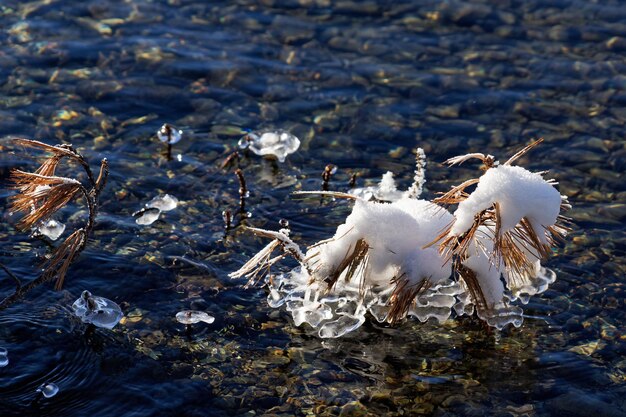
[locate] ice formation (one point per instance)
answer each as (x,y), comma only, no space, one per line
(99,311)
(147,216)
(412,257)
(154,208)
(4,357)
(163,202)
(169,134)
(193,317)
(279,144)
(518,192)
(51,228)
(386,189)
(48,389)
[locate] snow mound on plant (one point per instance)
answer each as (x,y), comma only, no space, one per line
(518,192)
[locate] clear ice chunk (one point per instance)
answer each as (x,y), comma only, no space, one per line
(52,229)
(503,315)
(316,316)
(537,285)
(441,314)
(169,134)
(275,299)
(48,389)
(193,316)
(4,357)
(379,312)
(337,328)
(99,311)
(147,216)
(163,202)
(279,144)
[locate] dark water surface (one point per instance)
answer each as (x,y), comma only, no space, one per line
(362,84)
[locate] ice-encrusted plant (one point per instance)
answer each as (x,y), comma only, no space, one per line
(398,256)
(43,193)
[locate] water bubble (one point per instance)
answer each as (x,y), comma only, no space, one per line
(147,216)
(169,134)
(52,229)
(163,202)
(99,311)
(193,317)
(48,389)
(279,144)
(4,357)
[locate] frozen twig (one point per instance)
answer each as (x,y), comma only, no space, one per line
(419,179)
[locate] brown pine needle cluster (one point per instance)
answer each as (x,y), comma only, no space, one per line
(40,196)
(42,193)
(517,249)
(260,264)
(353,264)
(404,295)
(63,257)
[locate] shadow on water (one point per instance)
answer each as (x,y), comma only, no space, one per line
(361,84)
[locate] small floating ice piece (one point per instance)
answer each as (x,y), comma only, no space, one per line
(98,311)
(163,202)
(193,317)
(280,144)
(147,216)
(52,229)
(169,134)
(48,389)
(4,357)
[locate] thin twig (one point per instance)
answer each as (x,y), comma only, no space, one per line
(228,219)
(336,194)
(329,170)
(420,175)
(230,160)
(352,183)
(243,190)
(18,283)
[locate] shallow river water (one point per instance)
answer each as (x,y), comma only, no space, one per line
(361,84)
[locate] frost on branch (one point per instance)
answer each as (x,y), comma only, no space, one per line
(414,258)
